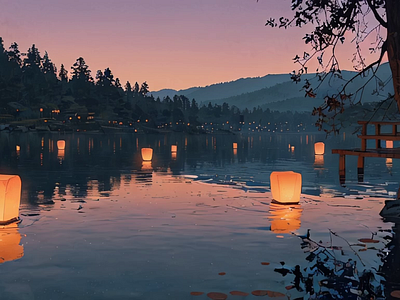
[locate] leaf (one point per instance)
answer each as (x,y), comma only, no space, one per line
(217,296)
(259,293)
(275,294)
(239,293)
(368,241)
(196,293)
(222,273)
(265,263)
(395,294)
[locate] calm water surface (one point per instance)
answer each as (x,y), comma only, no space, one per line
(97,223)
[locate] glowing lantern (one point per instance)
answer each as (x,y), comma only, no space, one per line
(17,147)
(319,148)
(10,197)
(286,187)
(61,144)
(10,249)
(292,148)
(174,148)
(234,145)
(147,154)
(284,219)
(389,144)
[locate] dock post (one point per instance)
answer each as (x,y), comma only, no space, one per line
(377,133)
(364,141)
(342,169)
(360,169)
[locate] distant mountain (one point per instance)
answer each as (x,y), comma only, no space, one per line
(290,96)
(225,89)
(279,92)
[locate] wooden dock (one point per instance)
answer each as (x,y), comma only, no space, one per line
(363,152)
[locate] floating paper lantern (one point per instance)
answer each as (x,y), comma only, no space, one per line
(10,197)
(285,219)
(319,148)
(10,248)
(174,148)
(17,147)
(389,144)
(286,187)
(292,148)
(147,154)
(234,145)
(61,144)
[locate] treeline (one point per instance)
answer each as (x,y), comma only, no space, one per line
(30,81)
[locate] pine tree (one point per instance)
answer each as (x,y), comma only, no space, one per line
(63,74)
(144,89)
(81,71)
(14,54)
(48,66)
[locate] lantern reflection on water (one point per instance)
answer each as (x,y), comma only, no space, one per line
(389,144)
(174,148)
(285,187)
(60,154)
(10,248)
(10,197)
(61,144)
(389,163)
(147,154)
(319,148)
(173,155)
(285,219)
(319,161)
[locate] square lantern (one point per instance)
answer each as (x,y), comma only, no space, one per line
(17,147)
(234,145)
(389,144)
(10,198)
(286,187)
(174,148)
(147,154)
(61,144)
(319,148)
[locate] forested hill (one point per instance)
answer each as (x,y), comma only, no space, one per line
(279,92)
(225,89)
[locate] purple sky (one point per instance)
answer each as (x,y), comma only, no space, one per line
(168,43)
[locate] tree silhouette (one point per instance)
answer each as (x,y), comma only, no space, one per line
(333,23)
(63,74)
(80,70)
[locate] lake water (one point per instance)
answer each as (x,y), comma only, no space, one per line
(97,223)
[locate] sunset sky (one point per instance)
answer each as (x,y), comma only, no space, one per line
(168,43)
